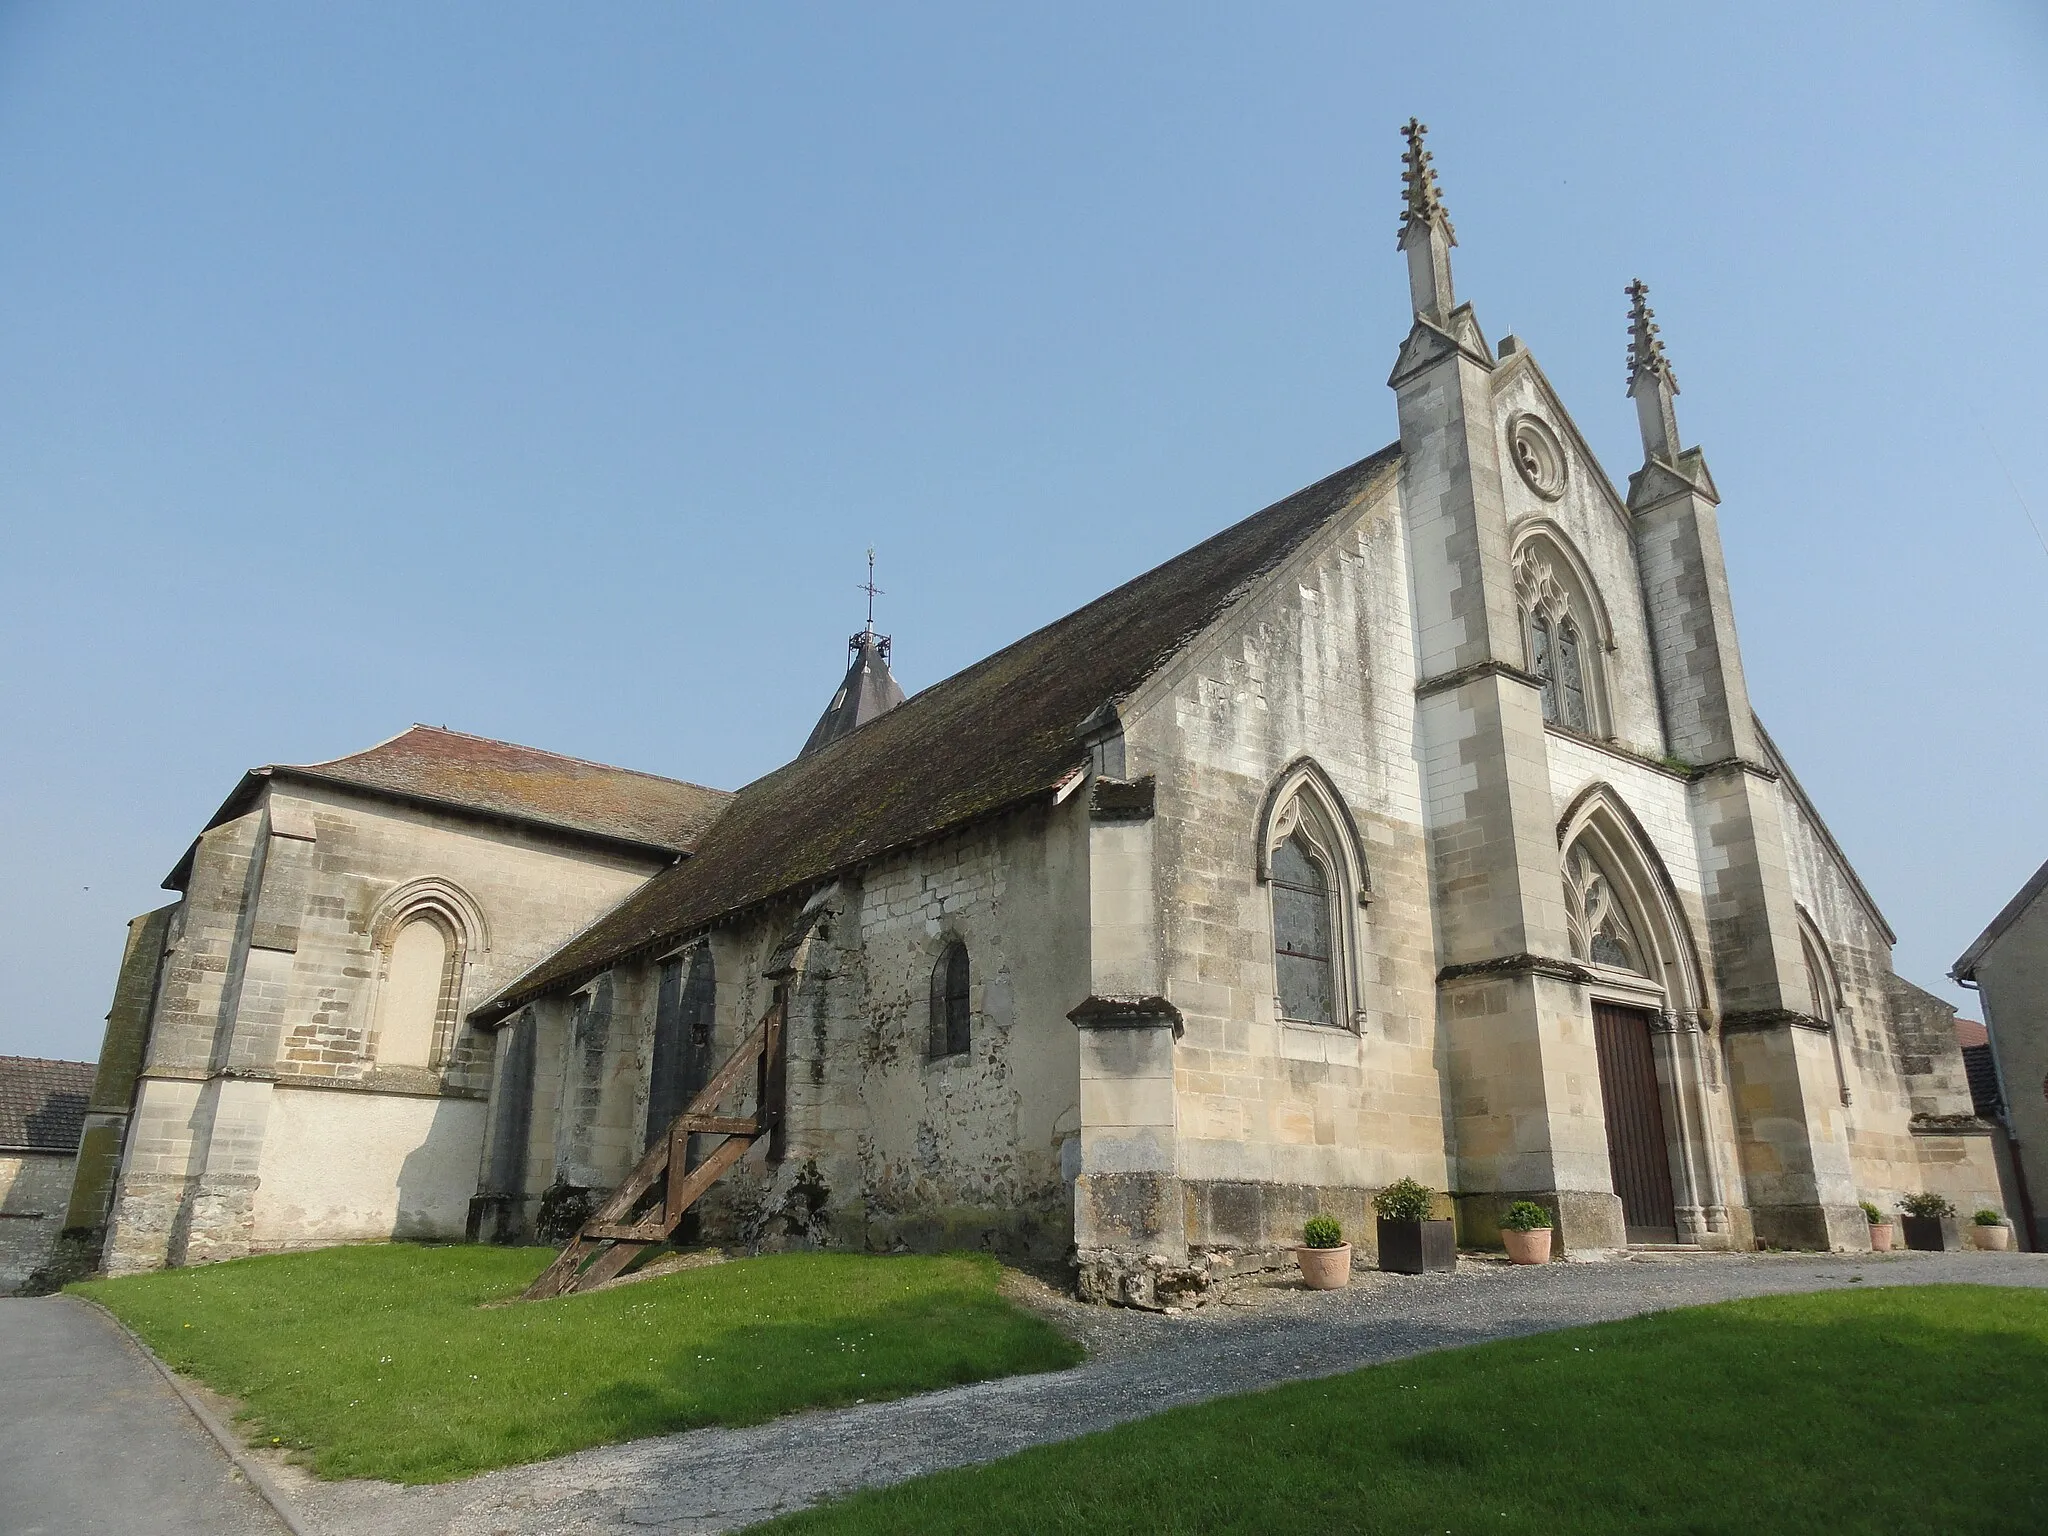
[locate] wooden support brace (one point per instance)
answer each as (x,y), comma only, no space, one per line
(616,1241)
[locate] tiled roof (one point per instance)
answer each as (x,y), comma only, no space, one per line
(442,767)
(42,1103)
(1969,1032)
(1003,732)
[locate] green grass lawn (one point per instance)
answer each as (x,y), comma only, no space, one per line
(382,1362)
(1919,1410)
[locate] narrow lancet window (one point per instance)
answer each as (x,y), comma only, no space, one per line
(1571,684)
(952,1023)
(1540,664)
(1301,934)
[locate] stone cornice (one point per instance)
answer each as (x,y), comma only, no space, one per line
(1515,965)
(1128,1013)
(1463,675)
(1754,1020)
(1949,1125)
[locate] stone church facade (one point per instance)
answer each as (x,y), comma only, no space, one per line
(1418,825)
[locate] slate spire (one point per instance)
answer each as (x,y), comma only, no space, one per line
(869,690)
(1651,383)
(1426,233)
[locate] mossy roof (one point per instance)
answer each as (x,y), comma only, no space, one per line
(500,780)
(1004,732)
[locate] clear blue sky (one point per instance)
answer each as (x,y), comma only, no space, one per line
(545,370)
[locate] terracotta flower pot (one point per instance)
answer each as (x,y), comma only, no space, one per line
(1880,1237)
(1325,1269)
(1531,1247)
(1992,1239)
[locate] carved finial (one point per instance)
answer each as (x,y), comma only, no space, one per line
(1424,203)
(1645,349)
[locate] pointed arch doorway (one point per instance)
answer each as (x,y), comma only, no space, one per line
(1645,996)
(1638,1145)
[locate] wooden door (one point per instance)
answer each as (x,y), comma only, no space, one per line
(1636,1146)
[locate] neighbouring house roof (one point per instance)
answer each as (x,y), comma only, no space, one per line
(1969,1032)
(42,1103)
(1006,731)
(449,770)
(1966,968)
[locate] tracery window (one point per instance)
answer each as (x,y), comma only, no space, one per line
(1310,859)
(952,1021)
(1301,934)
(1600,927)
(1555,632)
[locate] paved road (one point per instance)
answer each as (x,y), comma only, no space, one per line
(93,1440)
(720,1480)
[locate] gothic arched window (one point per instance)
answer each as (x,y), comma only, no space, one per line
(1555,613)
(1301,934)
(684,1008)
(1309,857)
(952,1022)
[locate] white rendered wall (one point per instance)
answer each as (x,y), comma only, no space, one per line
(352,1167)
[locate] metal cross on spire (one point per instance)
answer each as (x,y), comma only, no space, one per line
(872,591)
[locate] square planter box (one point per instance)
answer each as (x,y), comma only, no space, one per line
(1416,1247)
(1930,1234)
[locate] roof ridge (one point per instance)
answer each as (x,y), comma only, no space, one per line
(499,741)
(992,736)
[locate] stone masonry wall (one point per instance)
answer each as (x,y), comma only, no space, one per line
(887,1146)
(273,978)
(1278,1120)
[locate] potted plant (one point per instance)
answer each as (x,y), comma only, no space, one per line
(1989,1231)
(1880,1228)
(1324,1256)
(1525,1229)
(1410,1243)
(1926,1221)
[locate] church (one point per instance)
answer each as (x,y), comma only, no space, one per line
(1417,825)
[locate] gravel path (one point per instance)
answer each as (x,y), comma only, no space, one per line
(720,1479)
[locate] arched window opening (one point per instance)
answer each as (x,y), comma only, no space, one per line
(685,1009)
(1571,680)
(1555,624)
(1600,928)
(1822,992)
(1302,951)
(1310,857)
(415,985)
(952,1022)
(1540,663)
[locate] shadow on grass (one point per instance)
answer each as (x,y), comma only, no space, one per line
(1889,1410)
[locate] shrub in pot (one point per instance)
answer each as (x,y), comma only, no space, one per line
(1989,1231)
(1880,1228)
(1926,1222)
(1324,1256)
(1525,1230)
(1410,1243)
